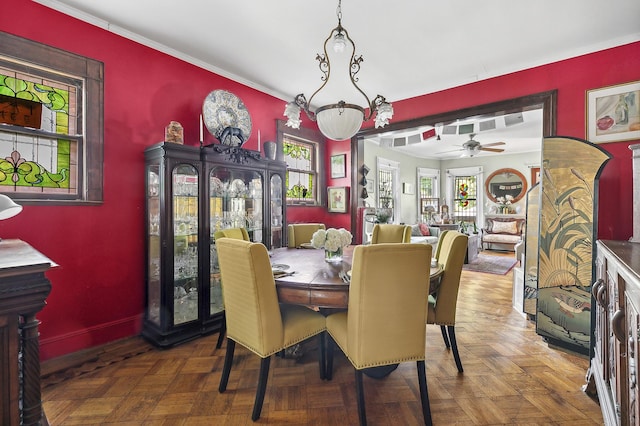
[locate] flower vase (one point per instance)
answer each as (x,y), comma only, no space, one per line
(333,256)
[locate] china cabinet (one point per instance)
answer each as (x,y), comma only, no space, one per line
(192,192)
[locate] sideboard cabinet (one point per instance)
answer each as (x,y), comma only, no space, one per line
(614,365)
(23,291)
(192,192)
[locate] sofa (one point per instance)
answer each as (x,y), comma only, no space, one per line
(503,231)
(421,233)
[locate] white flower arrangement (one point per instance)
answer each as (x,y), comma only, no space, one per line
(331,239)
(505,201)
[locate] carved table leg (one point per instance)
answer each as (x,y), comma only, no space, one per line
(30,367)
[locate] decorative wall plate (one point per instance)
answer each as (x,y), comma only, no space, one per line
(222,110)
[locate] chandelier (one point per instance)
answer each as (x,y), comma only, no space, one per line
(339,121)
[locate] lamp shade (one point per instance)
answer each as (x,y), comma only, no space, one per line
(8,208)
(339,122)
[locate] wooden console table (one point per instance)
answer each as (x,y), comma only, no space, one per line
(23,291)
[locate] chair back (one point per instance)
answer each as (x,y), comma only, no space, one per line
(390,233)
(251,302)
(439,246)
(452,254)
(237,233)
(387,295)
(299,233)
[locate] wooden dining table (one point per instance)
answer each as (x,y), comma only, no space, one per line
(312,281)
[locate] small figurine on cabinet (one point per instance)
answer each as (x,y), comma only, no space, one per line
(174,133)
(227,135)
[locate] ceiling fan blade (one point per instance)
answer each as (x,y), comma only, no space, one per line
(482,148)
(493,144)
(445,152)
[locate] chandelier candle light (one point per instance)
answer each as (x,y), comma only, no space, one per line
(332,241)
(339,121)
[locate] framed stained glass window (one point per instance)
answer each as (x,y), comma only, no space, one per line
(465,206)
(51,124)
(303,178)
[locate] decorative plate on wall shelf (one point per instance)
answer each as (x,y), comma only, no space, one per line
(223,110)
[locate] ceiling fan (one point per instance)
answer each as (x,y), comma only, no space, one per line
(472,147)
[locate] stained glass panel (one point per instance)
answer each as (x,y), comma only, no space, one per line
(39,150)
(301,171)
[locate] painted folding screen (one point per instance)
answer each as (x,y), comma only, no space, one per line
(531,251)
(570,169)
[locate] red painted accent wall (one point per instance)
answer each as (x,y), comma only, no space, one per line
(572,78)
(98,289)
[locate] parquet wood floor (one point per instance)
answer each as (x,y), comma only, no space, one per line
(510,377)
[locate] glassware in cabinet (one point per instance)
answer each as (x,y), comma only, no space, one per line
(276,210)
(174,293)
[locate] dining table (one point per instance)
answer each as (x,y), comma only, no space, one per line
(306,278)
(303,277)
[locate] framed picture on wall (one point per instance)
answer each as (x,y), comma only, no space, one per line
(338,199)
(535,175)
(613,113)
(338,166)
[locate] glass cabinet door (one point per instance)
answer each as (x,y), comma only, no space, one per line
(153,244)
(235,201)
(185,243)
(276,211)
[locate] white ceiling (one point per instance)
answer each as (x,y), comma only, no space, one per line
(409,47)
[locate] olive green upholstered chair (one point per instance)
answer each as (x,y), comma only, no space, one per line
(237,233)
(384,324)
(390,233)
(441,309)
(439,246)
(254,317)
(298,233)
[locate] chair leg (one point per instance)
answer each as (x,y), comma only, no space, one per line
(443,330)
(223,331)
(424,393)
(321,354)
(362,415)
(328,374)
(226,369)
(454,347)
(262,387)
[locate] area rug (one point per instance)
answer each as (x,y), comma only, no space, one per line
(486,263)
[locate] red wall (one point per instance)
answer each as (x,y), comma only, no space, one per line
(98,289)
(572,78)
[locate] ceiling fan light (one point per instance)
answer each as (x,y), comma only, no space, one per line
(339,122)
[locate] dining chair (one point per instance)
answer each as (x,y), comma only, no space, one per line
(238,234)
(390,233)
(441,309)
(254,317)
(439,246)
(384,324)
(299,233)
